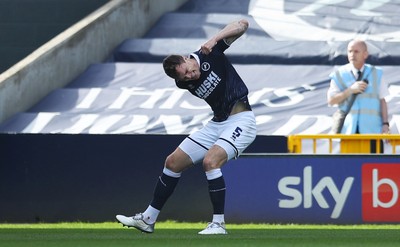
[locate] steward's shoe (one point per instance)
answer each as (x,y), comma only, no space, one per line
(214,228)
(136,221)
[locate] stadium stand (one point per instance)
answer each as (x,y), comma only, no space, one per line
(133,71)
(136,62)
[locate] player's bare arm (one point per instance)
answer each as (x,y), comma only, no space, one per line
(229,33)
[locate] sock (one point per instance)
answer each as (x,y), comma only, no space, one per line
(219,218)
(150,215)
(216,187)
(164,188)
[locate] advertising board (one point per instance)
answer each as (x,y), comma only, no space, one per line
(313,189)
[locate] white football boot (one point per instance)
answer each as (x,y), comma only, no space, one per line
(214,228)
(136,221)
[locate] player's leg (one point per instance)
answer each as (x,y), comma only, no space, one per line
(175,164)
(238,133)
(213,161)
(165,186)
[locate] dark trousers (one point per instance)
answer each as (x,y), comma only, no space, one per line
(373,145)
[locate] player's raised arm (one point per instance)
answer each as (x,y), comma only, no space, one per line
(229,33)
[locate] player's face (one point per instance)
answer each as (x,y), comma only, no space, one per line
(188,71)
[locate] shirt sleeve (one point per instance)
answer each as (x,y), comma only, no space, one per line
(383,90)
(221,45)
(333,89)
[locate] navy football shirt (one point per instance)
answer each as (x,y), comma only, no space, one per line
(219,83)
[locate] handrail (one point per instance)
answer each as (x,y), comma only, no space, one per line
(356,143)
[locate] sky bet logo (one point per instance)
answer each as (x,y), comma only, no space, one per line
(380,186)
(305,195)
(380,192)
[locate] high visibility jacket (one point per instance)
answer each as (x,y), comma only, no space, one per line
(366,110)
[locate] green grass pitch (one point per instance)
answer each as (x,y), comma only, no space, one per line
(185,234)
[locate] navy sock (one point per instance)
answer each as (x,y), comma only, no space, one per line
(217,190)
(164,188)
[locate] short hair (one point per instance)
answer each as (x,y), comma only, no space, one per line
(359,42)
(170,63)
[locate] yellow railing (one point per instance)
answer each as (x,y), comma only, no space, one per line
(357,143)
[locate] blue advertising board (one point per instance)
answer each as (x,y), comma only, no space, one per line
(91,178)
(313,189)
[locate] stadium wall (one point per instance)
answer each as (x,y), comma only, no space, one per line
(28,24)
(61,177)
(86,177)
(67,55)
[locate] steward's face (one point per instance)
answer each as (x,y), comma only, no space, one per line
(357,54)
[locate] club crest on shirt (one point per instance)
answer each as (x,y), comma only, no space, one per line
(205,66)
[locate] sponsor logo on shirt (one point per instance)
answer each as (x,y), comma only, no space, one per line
(208,85)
